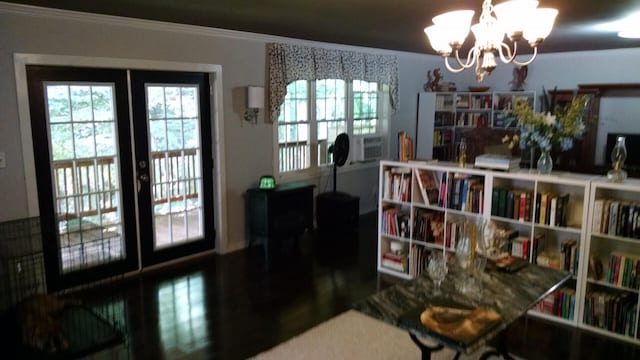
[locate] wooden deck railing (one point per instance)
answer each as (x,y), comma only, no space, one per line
(293,156)
(87,187)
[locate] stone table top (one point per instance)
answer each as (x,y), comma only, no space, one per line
(508,294)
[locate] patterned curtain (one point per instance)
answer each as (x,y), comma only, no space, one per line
(289,63)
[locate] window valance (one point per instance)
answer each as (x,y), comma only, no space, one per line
(289,63)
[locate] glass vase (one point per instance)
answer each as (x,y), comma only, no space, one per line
(470,256)
(545,163)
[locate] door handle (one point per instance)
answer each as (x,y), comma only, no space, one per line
(143,177)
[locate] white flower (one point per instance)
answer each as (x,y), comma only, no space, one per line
(549,119)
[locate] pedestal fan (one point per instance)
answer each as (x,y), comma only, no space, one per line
(337,212)
(340,151)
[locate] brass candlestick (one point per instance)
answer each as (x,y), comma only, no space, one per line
(462,153)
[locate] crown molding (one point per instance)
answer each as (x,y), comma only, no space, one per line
(153,25)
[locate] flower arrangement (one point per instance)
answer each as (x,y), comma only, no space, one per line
(556,128)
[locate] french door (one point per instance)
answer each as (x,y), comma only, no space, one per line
(110,183)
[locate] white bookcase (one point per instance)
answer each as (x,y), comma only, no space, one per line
(612,274)
(564,238)
(444,116)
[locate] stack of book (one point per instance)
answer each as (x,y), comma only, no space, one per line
(497,162)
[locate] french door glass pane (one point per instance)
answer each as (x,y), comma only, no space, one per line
(85,161)
(174,132)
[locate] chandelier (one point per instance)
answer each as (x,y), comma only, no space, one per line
(517,19)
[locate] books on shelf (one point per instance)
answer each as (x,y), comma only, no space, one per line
(623,270)
(429,184)
(617,218)
(614,312)
(396,222)
(497,162)
(397,184)
(570,254)
(466,193)
(419,260)
(429,226)
(405,146)
(512,203)
(552,209)
(561,303)
(395,261)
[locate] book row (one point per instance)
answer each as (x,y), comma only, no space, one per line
(419,257)
(466,193)
(428,226)
(560,303)
(441,137)
(511,203)
(521,245)
(612,312)
(623,270)
(396,222)
(397,184)
(619,218)
(548,208)
(405,146)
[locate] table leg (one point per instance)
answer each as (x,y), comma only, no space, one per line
(501,348)
(425,349)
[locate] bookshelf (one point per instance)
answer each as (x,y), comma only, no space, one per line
(546,217)
(445,117)
(610,305)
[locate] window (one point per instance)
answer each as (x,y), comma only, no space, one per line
(315,112)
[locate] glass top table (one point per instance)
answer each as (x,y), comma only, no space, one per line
(509,295)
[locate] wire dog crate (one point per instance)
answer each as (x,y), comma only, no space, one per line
(37,324)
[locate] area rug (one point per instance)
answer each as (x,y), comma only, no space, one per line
(353,335)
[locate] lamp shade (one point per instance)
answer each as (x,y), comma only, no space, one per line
(255,97)
(438,39)
(515,15)
(455,25)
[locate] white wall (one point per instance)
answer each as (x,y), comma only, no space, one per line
(248,148)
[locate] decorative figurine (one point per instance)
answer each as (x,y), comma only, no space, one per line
(519,76)
(434,80)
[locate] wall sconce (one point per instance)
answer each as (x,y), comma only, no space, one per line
(255,101)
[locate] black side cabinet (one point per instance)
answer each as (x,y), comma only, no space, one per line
(273,216)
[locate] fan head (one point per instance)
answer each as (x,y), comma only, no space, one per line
(340,149)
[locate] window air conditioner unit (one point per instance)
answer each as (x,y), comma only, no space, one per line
(367,148)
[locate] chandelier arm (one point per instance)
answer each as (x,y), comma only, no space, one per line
(471,58)
(446,63)
(510,56)
(535,52)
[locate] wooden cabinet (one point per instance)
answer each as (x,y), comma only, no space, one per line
(273,216)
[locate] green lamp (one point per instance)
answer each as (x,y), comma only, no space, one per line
(267,182)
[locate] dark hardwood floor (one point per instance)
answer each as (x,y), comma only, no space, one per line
(232,307)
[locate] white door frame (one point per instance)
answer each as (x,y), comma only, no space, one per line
(217,125)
